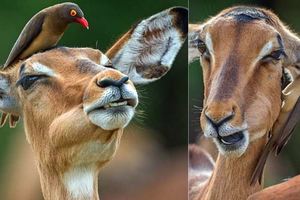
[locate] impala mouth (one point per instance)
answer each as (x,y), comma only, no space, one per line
(232,139)
(113,114)
(119,103)
(234,144)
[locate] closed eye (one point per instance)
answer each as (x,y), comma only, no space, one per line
(275,55)
(27,81)
(109,66)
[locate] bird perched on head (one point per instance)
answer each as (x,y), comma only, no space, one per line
(287,120)
(44,30)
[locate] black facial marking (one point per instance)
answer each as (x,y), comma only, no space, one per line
(229,75)
(22,69)
(228,78)
(246,14)
(279,39)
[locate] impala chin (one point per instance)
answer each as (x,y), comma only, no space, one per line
(234,144)
(112,118)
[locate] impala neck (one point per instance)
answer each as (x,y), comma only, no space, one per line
(231,177)
(78,183)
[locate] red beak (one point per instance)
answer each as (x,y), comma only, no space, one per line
(83,22)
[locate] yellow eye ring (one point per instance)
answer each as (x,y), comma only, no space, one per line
(73,13)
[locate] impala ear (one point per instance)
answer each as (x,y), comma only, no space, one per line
(291,44)
(147,51)
(194,31)
(8,102)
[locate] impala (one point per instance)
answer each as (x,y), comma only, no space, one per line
(75,102)
(243,51)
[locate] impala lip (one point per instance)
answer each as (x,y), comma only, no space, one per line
(231,139)
(233,144)
(112,112)
(113,104)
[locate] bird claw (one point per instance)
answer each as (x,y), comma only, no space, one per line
(13,120)
(3,119)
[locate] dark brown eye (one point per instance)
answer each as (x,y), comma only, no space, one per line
(201,46)
(275,55)
(27,81)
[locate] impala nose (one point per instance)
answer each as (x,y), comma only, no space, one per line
(218,113)
(217,122)
(106,82)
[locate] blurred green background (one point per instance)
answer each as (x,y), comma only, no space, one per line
(164,103)
(288,163)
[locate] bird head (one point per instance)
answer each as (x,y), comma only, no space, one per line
(72,13)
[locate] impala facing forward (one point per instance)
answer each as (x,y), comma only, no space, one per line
(243,51)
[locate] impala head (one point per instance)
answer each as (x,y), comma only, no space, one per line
(74,101)
(242,51)
(51,83)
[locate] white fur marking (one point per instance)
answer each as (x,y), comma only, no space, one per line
(4,85)
(265,50)
(43,69)
(104,59)
(208,42)
(79,182)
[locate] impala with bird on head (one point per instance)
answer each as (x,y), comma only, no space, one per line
(45,29)
(245,54)
(75,102)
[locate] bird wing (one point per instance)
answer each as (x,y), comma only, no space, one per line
(31,30)
(259,168)
(277,141)
(288,128)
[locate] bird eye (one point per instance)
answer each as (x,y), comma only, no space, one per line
(27,81)
(73,13)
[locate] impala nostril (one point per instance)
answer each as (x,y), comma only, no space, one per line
(217,122)
(124,79)
(106,82)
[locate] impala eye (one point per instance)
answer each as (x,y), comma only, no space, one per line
(201,46)
(109,66)
(275,55)
(73,13)
(27,81)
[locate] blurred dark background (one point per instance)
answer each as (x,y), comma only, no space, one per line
(156,141)
(288,163)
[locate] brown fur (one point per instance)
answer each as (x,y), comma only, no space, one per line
(56,131)
(288,190)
